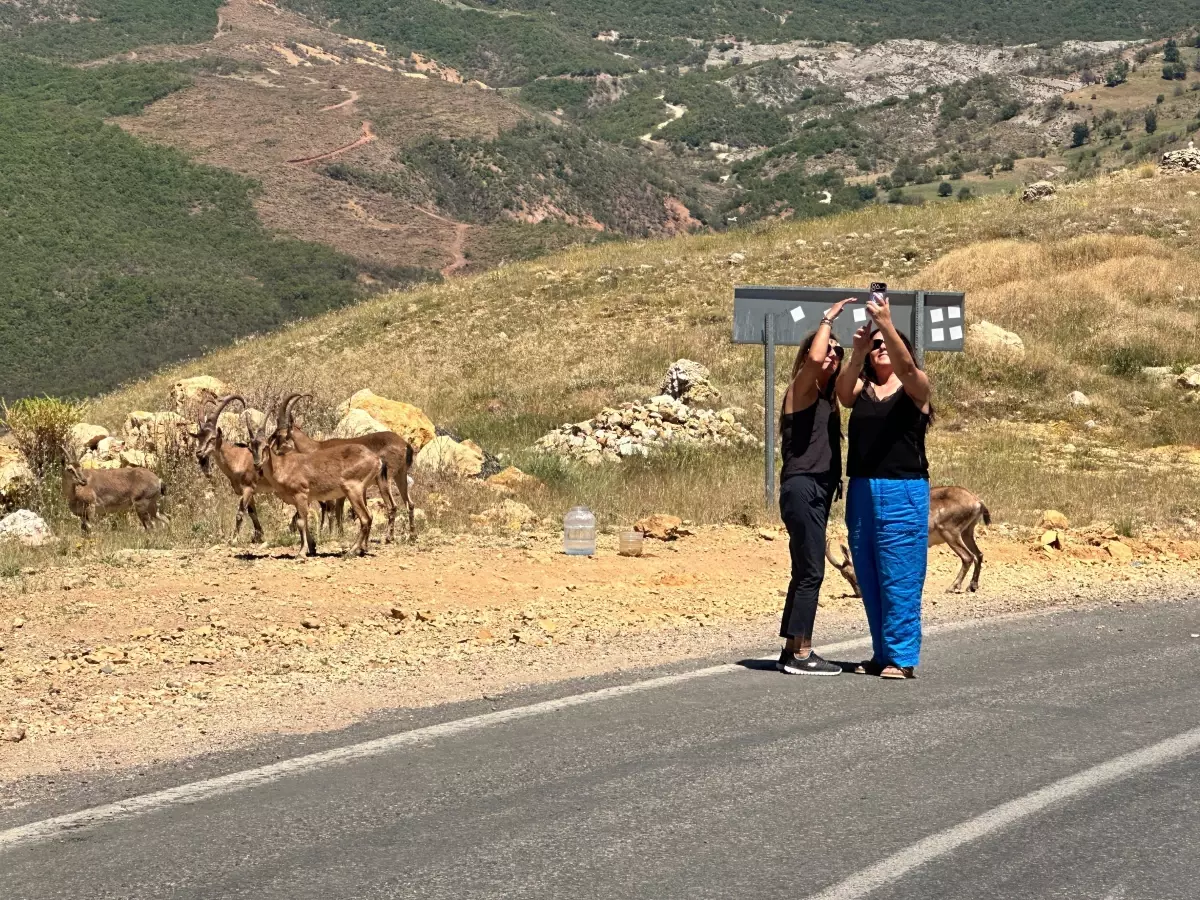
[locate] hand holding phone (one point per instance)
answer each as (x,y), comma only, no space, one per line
(878,291)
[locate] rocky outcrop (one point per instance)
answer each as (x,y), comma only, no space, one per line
(84,437)
(156,431)
(16,477)
(188,395)
(403,418)
(356,423)
(445,456)
(1039,190)
(660,527)
(236,424)
(25,528)
(990,338)
(1180,161)
(689,381)
(637,429)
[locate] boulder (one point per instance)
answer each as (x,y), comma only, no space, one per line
(1189,378)
(84,437)
(660,527)
(445,455)
(189,394)
(406,420)
(1039,190)
(1053,519)
(513,479)
(987,337)
(1181,161)
(688,381)
(138,459)
(508,515)
(26,528)
(16,477)
(1118,551)
(1079,398)
(356,423)
(233,424)
(1051,539)
(154,431)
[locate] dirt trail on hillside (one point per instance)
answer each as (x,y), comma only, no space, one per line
(157,655)
(368,135)
(460,242)
(352,99)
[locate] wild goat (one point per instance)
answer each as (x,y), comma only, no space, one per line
(300,478)
(393,450)
(953,514)
(235,462)
(100,492)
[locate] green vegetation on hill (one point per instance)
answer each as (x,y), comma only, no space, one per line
(536,166)
(94,29)
(119,257)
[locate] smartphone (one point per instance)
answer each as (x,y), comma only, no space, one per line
(878,289)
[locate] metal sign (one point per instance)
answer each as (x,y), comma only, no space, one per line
(771,316)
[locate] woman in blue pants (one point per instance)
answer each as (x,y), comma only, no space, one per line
(887,503)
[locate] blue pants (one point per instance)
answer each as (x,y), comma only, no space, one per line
(888,521)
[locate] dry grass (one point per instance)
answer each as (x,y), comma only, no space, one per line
(1098,281)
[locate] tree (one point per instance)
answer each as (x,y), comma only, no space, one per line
(1171,51)
(1117,74)
(945,189)
(895,195)
(1079,134)
(1151,121)
(1088,77)
(1173,70)
(964,193)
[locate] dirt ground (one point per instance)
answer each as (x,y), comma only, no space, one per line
(151,656)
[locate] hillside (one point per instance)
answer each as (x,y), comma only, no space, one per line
(119,257)
(1099,282)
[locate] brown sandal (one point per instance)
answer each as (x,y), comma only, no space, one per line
(897,673)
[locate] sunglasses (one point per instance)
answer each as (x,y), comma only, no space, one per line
(877,345)
(838,351)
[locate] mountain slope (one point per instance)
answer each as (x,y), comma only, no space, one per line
(1098,282)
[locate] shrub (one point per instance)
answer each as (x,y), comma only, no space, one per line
(41,426)
(964,193)
(945,189)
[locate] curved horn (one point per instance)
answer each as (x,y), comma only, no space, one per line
(287,409)
(223,402)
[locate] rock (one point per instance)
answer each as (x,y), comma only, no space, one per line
(767,534)
(1051,540)
(84,437)
(1180,161)
(155,431)
(508,515)
(513,479)
(661,527)
(1053,519)
(1189,378)
(13,734)
(736,259)
(310,623)
(16,477)
(1039,190)
(138,459)
(688,381)
(987,337)
(1078,398)
(188,395)
(356,423)
(406,420)
(1118,551)
(26,528)
(399,614)
(446,456)
(233,424)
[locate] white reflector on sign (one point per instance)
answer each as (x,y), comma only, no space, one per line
(954,312)
(935,314)
(797,313)
(956,333)
(937,335)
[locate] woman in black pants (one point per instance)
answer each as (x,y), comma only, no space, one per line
(810,429)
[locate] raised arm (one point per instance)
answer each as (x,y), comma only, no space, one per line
(802,392)
(849,383)
(916,382)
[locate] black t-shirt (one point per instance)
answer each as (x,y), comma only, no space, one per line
(887,437)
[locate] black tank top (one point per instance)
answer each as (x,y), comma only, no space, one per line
(887,437)
(811,439)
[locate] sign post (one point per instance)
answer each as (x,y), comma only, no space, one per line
(783,316)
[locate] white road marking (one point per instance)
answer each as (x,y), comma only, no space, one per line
(239,781)
(899,864)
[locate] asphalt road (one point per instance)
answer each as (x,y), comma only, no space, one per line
(738,784)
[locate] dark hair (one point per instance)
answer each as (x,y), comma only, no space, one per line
(869,374)
(805,346)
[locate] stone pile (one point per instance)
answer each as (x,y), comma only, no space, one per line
(1039,190)
(636,429)
(688,381)
(1181,161)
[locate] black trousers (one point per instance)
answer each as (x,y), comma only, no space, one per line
(804,502)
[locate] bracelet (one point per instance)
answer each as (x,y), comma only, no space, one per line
(825,320)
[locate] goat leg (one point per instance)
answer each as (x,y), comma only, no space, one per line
(954,542)
(969,539)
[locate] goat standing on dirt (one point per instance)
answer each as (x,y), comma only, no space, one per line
(393,451)
(301,478)
(235,462)
(100,492)
(953,514)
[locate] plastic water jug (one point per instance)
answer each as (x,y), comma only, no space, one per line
(629,543)
(579,532)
